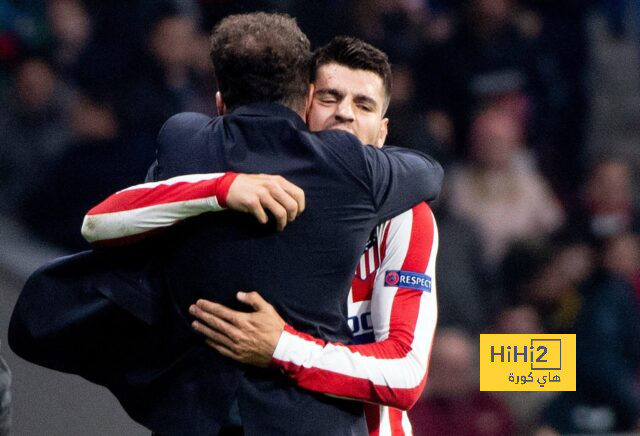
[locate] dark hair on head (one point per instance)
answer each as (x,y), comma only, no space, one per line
(261,57)
(356,54)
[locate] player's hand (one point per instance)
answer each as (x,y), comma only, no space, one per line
(245,337)
(257,193)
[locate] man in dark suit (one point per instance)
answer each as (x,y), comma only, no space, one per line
(163,374)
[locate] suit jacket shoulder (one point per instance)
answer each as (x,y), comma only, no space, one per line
(176,144)
(346,154)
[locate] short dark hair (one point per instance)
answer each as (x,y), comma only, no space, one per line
(261,57)
(356,54)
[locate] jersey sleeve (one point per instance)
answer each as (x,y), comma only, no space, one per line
(391,371)
(136,212)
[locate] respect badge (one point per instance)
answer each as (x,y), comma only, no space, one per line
(527,362)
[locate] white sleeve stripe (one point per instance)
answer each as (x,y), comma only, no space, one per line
(385,422)
(121,224)
(398,241)
(403,373)
(189,178)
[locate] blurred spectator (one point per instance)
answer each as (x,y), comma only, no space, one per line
(486,59)
(34,120)
(559,136)
(519,320)
(607,208)
(452,403)
(526,407)
(575,295)
(203,76)
(71,27)
(608,359)
(498,190)
(96,163)
(5,399)
(547,277)
(408,128)
(215,10)
(464,295)
(622,257)
(163,82)
(337,18)
(22,28)
(392,25)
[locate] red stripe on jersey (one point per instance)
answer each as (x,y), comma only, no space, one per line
(223,188)
(362,290)
(372,414)
(333,383)
(395,421)
(161,194)
(406,303)
(404,313)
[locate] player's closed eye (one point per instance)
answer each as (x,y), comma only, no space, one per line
(329,100)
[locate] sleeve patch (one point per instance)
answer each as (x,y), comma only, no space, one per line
(408,279)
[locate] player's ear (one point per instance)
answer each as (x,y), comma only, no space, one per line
(382,134)
(220,105)
(309,99)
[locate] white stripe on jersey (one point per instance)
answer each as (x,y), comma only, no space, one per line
(400,233)
(329,357)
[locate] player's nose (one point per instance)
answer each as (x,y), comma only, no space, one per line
(344,112)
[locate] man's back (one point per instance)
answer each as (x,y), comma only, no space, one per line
(219,254)
(304,271)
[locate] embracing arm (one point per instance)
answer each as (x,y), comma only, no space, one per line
(136,212)
(391,371)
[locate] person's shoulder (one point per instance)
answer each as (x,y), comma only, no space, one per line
(186,121)
(339,149)
(181,126)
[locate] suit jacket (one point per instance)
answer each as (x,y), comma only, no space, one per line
(163,374)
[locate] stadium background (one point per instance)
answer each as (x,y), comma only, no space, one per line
(531,106)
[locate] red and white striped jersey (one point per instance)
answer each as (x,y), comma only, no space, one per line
(392,304)
(393,327)
(132,213)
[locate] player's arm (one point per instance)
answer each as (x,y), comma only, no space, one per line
(391,371)
(138,211)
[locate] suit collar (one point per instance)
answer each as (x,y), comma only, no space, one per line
(270,110)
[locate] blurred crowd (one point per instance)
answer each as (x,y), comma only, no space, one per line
(537,234)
